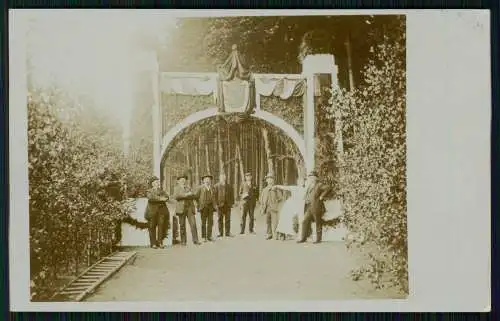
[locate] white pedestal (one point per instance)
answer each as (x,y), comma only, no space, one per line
(335,234)
(132,236)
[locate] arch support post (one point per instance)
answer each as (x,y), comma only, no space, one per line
(312,67)
(156,114)
(309,123)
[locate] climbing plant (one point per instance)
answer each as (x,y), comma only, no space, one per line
(372,176)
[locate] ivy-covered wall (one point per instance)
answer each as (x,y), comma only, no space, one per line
(177,107)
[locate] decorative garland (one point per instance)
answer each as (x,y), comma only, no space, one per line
(135,223)
(129,207)
(130,221)
(332,223)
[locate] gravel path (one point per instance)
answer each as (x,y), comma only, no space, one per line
(245,267)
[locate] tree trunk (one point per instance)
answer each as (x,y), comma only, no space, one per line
(262,166)
(239,160)
(286,164)
(220,151)
(207,159)
(283,163)
(255,152)
(349,62)
(300,169)
(198,161)
(168,183)
(267,148)
(77,253)
(235,174)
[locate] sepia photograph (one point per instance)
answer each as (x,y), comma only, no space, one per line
(231,158)
(216,158)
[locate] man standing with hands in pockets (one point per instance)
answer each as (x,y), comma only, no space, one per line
(248,195)
(206,207)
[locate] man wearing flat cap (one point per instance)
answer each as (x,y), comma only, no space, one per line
(248,195)
(184,209)
(157,213)
(314,207)
(270,203)
(206,206)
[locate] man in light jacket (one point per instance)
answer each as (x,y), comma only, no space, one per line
(185,209)
(270,204)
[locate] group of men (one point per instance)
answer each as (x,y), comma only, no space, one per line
(208,198)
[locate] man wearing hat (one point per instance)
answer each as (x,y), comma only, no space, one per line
(157,213)
(206,206)
(248,195)
(184,209)
(314,207)
(270,205)
(224,201)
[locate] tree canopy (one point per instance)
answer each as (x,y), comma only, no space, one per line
(275,44)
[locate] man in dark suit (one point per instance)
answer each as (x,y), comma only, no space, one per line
(270,203)
(248,195)
(184,209)
(206,207)
(157,213)
(224,200)
(314,208)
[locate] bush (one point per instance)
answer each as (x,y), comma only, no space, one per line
(76,175)
(372,175)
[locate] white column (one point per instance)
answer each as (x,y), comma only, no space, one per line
(309,123)
(311,65)
(156,114)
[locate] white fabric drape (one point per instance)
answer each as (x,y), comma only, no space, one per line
(279,87)
(188,86)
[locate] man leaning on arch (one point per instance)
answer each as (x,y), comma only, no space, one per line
(314,207)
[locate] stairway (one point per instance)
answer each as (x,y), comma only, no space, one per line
(94,276)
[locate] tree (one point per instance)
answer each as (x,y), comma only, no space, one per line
(373,176)
(220,151)
(76,171)
(271,44)
(267,148)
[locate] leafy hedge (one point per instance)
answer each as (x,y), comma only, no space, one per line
(372,173)
(77,179)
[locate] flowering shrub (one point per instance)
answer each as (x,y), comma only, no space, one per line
(76,179)
(372,175)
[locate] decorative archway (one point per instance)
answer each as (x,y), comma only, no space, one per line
(231,75)
(270,118)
